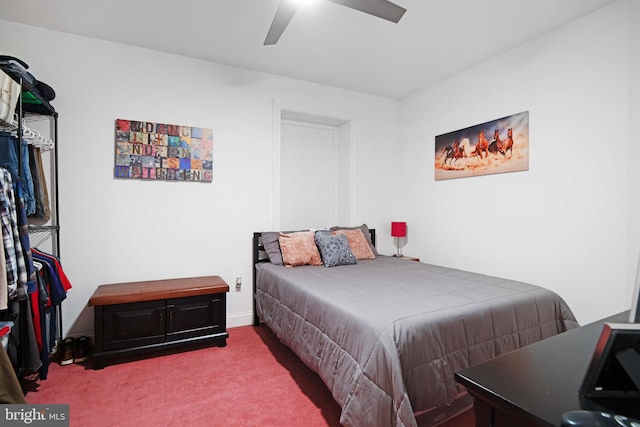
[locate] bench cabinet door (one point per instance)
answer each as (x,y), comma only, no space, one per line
(134,324)
(195,316)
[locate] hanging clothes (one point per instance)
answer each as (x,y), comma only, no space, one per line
(27,295)
(43,211)
(14,257)
(14,157)
(4,285)
(53,287)
(59,282)
(10,390)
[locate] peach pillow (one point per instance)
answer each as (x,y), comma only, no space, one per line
(299,249)
(358,243)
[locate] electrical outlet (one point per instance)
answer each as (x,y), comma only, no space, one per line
(238,284)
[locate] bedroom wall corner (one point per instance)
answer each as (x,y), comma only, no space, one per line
(563,223)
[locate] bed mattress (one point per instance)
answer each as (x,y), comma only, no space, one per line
(387,335)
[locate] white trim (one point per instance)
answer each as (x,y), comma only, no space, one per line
(240,319)
(275,190)
(353,169)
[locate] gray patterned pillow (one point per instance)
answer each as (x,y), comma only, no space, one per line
(334,250)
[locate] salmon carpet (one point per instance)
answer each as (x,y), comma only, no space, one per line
(253,381)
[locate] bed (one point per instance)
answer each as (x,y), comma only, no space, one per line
(386,335)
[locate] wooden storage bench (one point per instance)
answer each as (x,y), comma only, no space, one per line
(140,317)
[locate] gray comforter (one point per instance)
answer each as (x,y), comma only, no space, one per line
(387,335)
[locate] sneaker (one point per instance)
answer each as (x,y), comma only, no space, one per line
(81,349)
(66,351)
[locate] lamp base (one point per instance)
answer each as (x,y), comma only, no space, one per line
(398,253)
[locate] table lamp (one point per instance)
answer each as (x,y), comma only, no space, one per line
(398,230)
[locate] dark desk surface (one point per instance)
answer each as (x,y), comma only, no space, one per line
(540,382)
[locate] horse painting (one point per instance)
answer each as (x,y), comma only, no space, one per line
(496,144)
(471,151)
(453,153)
(508,145)
(481,146)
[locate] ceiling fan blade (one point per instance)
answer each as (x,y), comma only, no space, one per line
(285,12)
(381,8)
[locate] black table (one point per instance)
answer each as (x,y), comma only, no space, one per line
(535,385)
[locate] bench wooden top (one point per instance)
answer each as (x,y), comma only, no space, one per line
(119,293)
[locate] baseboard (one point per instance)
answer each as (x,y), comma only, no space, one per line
(240,319)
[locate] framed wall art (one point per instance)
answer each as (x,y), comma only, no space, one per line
(497,146)
(158,151)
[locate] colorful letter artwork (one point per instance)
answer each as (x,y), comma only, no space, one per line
(155,151)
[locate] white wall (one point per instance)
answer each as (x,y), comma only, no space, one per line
(126,230)
(564,223)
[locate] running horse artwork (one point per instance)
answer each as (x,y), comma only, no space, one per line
(496,144)
(453,153)
(481,146)
(457,157)
(508,145)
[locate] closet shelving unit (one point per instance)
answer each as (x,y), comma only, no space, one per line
(30,107)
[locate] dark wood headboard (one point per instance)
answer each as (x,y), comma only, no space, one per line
(260,255)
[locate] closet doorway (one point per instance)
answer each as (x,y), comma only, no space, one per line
(314,173)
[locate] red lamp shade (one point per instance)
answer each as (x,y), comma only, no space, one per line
(399,229)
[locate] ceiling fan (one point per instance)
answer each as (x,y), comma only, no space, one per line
(381,8)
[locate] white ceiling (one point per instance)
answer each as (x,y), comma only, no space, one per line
(328,44)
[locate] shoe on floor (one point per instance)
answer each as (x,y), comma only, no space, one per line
(66,351)
(81,349)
